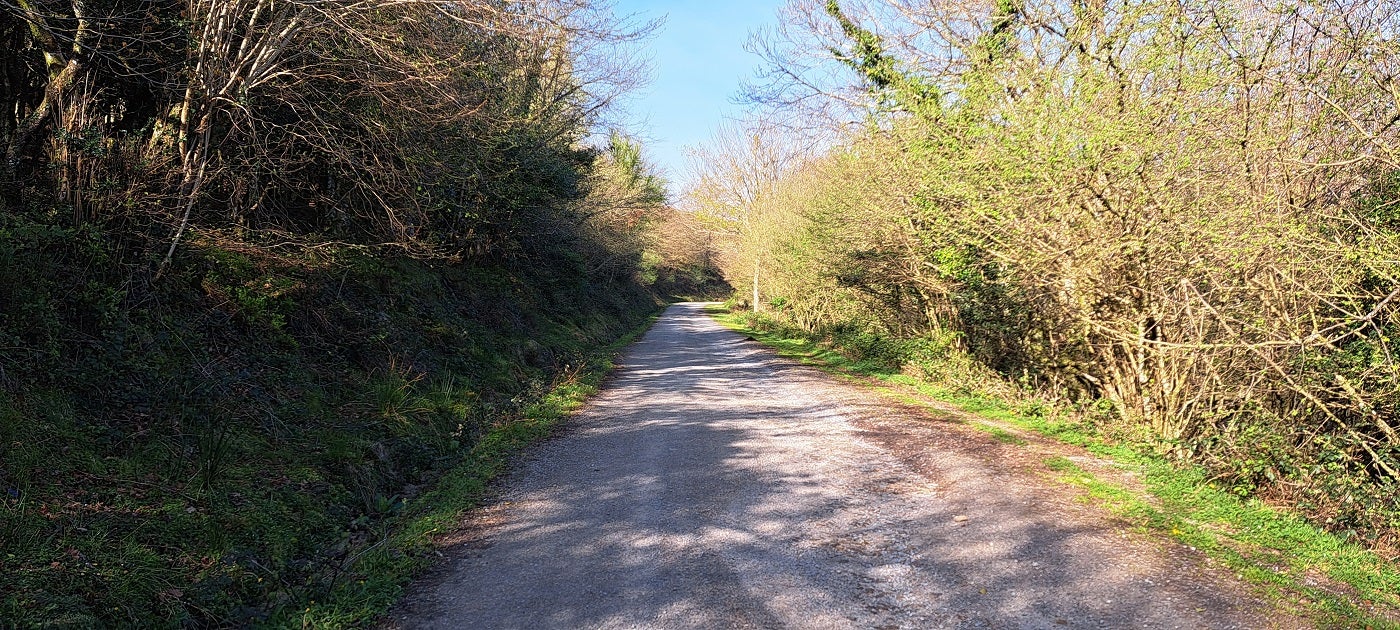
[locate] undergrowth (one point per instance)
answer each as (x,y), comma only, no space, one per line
(405,544)
(269,435)
(1332,577)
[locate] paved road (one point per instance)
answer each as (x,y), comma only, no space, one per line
(713,485)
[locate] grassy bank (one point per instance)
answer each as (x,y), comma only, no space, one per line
(382,570)
(271,433)
(1324,575)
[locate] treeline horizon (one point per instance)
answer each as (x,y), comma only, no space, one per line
(449,130)
(1174,221)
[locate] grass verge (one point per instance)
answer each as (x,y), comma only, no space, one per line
(376,579)
(1336,582)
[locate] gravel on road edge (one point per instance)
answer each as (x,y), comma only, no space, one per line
(713,484)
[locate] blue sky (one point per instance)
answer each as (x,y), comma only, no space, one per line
(698,62)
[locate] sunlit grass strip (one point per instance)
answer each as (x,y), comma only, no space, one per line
(1000,434)
(376,578)
(1269,548)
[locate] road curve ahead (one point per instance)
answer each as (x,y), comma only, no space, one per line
(711,484)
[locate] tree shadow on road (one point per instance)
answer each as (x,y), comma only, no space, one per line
(712,484)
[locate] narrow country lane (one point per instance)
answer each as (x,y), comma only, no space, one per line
(713,485)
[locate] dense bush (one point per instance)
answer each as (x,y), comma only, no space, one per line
(1175,213)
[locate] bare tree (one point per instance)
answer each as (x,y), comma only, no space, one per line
(734,178)
(1179,208)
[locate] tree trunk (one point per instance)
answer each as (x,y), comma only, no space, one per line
(755,285)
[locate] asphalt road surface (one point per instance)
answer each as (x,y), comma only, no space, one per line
(711,484)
